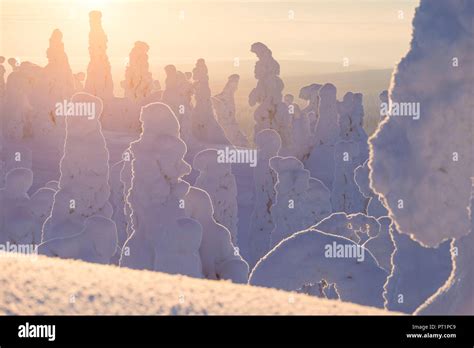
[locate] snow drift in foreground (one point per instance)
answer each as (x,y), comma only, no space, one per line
(52,286)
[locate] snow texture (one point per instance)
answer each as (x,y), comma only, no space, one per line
(49,286)
(426,163)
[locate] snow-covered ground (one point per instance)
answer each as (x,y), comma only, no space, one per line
(48,286)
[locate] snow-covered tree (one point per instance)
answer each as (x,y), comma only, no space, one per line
(99,77)
(261,225)
(162,237)
(349,153)
(312,256)
(224,106)
(218,181)
(205,126)
(16,223)
(310,93)
(219,256)
(374,205)
(417,273)
(301,136)
(268,95)
(421,158)
(83,185)
(138,79)
(321,160)
(301,201)
(356,227)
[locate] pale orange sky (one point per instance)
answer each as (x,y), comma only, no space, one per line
(369,33)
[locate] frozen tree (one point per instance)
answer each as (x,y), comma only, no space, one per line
(16,224)
(57,73)
(220,258)
(301,136)
(456,294)
(138,79)
(310,93)
(268,144)
(224,106)
(162,237)
(97,242)
(422,164)
(83,185)
(349,153)
(417,273)
(43,89)
(99,77)
(285,114)
(301,201)
(218,181)
(345,194)
(382,245)
(17,108)
(268,92)
(374,206)
(177,95)
(204,124)
(306,258)
(321,160)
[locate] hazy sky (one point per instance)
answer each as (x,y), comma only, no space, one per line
(372,33)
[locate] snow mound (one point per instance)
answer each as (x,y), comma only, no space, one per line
(311,256)
(46,286)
